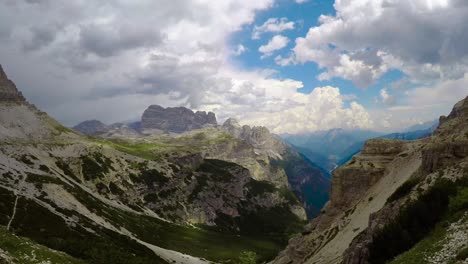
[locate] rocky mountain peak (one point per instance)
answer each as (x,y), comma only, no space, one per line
(231,122)
(456,121)
(175,119)
(232,127)
(8,90)
(256,135)
(460,109)
(2,73)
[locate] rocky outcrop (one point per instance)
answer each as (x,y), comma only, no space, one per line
(8,91)
(459,110)
(174,119)
(350,182)
(258,136)
(232,127)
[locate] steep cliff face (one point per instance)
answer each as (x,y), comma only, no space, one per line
(377,197)
(157,119)
(350,182)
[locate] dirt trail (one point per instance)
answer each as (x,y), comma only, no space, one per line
(13,214)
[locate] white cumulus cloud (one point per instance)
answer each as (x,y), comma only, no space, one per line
(276,43)
(275,25)
(367,38)
(387,98)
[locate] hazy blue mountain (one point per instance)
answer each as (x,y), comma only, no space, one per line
(429,125)
(327,148)
(332,148)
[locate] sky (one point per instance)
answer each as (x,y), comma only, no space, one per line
(294,66)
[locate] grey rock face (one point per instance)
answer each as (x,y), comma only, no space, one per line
(232,127)
(257,136)
(8,90)
(175,119)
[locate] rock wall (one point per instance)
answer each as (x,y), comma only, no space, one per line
(175,119)
(350,182)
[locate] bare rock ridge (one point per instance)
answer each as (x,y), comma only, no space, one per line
(175,119)
(8,90)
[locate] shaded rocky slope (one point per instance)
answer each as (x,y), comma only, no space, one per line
(388,198)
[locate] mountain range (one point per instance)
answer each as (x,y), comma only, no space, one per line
(333,148)
(175,188)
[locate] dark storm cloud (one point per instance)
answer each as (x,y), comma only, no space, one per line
(40,37)
(109,40)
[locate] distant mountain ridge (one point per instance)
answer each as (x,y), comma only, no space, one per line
(154,120)
(333,148)
(175,119)
(326,148)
